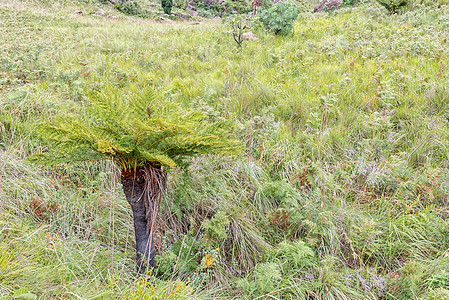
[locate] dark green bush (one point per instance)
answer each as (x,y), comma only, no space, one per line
(280,17)
(131,8)
(208,9)
(349,3)
(393,6)
(167,5)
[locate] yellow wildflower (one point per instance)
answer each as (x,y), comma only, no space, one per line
(208,260)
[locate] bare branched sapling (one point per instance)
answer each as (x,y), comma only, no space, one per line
(240,25)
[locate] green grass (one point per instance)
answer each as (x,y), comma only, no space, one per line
(345,126)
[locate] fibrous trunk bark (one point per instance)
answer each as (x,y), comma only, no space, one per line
(143,187)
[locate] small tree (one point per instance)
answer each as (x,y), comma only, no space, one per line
(167,6)
(240,25)
(143,137)
(280,17)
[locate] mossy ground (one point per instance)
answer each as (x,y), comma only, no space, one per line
(342,192)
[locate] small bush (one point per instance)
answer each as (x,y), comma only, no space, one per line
(435,3)
(131,8)
(209,9)
(392,6)
(349,3)
(167,6)
(239,6)
(280,17)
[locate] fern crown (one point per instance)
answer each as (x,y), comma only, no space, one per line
(133,128)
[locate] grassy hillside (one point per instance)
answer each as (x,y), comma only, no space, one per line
(342,191)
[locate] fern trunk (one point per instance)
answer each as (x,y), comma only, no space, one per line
(142,188)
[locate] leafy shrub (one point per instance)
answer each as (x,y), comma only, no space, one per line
(392,6)
(352,2)
(280,17)
(167,6)
(265,4)
(213,8)
(436,3)
(239,6)
(131,8)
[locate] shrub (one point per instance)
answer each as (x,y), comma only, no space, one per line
(435,3)
(392,5)
(131,8)
(280,17)
(210,9)
(348,3)
(166,6)
(239,6)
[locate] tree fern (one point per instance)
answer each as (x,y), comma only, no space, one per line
(143,135)
(133,129)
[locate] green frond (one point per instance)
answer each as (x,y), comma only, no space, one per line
(158,157)
(133,128)
(77,155)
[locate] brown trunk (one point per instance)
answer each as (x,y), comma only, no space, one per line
(142,188)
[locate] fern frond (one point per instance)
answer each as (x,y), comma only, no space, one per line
(157,157)
(132,128)
(78,155)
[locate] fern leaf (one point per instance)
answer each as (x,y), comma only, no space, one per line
(132,128)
